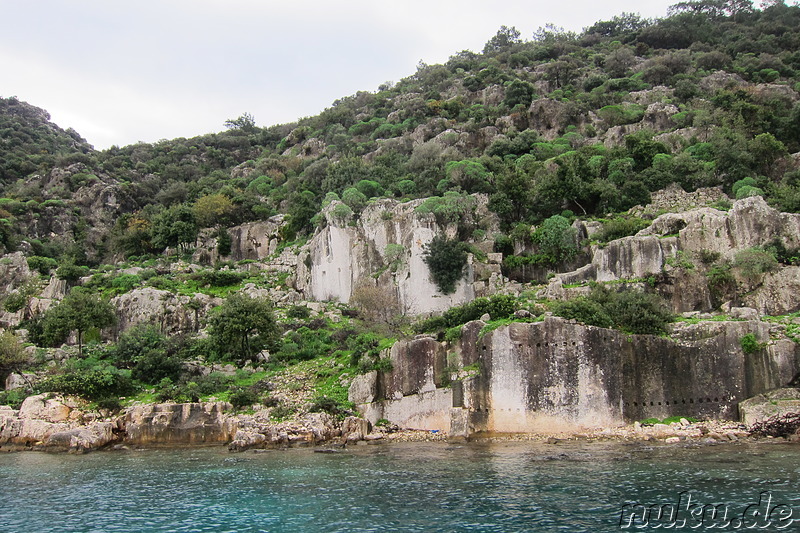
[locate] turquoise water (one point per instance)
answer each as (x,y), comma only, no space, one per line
(401,487)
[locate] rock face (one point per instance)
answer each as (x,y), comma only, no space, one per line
(385,247)
(186,423)
(254,240)
(557,375)
(777,402)
(53,423)
(674,239)
(257,431)
(50,422)
(170,312)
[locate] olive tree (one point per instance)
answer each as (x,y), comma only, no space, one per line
(243,326)
(79,311)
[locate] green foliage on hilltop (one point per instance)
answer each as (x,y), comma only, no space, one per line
(724,76)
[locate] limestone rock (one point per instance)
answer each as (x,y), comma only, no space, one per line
(46,408)
(354,428)
(171,312)
(94,436)
(363,388)
(181,423)
(777,402)
(254,240)
(342,256)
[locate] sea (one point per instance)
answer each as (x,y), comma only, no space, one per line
(407,487)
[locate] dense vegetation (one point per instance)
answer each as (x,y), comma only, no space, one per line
(540,125)
(560,125)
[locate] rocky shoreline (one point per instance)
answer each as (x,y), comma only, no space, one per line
(53,423)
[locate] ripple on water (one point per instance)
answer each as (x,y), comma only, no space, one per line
(495,487)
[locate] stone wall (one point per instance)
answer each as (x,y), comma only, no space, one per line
(556,375)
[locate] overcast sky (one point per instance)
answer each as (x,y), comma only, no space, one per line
(121,72)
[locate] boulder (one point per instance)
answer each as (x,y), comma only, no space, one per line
(777,402)
(94,436)
(355,429)
(46,408)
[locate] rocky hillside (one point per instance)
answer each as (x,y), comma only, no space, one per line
(635,177)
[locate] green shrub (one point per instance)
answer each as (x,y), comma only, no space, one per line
(498,306)
(243,398)
(628,310)
(71,272)
(754,262)
(747,191)
(43,265)
(557,239)
(298,311)
(125,282)
(218,278)
(326,404)
(14,302)
(102,381)
(446,260)
(13,398)
(750,344)
(616,228)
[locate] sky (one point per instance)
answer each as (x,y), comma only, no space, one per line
(124,72)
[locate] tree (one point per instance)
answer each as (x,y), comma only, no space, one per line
(12,354)
(518,92)
(212,209)
(243,326)
(446,259)
(557,239)
(79,311)
(245,123)
(175,226)
(504,38)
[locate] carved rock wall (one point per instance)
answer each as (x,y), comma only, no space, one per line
(556,375)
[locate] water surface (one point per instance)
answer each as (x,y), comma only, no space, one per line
(501,487)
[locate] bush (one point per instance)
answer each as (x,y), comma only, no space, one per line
(102,381)
(498,307)
(43,265)
(616,228)
(298,312)
(628,310)
(326,404)
(218,278)
(71,272)
(446,259)
(750,344)
(13,398)
(754,262)
(557,239)
(242,398)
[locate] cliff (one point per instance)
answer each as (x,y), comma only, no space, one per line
(385,248)
(558,375)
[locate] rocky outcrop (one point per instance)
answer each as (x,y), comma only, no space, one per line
(182,423)
(773,403)
(558,375)
(172,313)
(385,248)
(51,422)
(54,423)
(676,243)
(259,432)
(255,240)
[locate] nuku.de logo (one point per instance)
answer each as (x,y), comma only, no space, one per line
(764,515)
